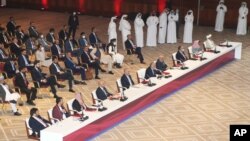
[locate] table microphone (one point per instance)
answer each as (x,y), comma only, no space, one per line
(123,98)
(150,84)
(83,118)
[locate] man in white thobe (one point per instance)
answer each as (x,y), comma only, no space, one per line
(3,3)
(221,10)
(138,25)
(242,20)
(171,31)
(163,18)
(112,29)
(125,28)
(152,23)
(188,28)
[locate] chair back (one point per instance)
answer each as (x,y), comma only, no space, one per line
(29,130)
(70,106)
(190,52)
(50,116)
(140,75)
(94,97)
(119,85)
(174,59)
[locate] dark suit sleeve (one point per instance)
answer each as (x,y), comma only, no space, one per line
(19,81)
(76,106)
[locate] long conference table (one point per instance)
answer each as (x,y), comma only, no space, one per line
(140,97)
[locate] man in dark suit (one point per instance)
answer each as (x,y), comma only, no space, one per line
(133,49)
(160,64)
(33,31)
(10,68)
(20,34)
(70,47)
(103,94)
(92,63)
(11,26)
(44,80)
(23,60)
(22,82)
(75,69)
(126,79)
(30,46)
(63,34)
(3,55)
(3,37)
(73,23)
(36,122)
(15,48)
(82,41)
(151,71)
(50,37)
(180,55)
(93,38)
(59,111)
(55,69)
(56,50)
(7,95)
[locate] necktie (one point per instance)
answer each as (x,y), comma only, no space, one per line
(12,66)
(57,68)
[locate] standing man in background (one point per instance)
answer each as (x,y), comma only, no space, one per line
(221,10)
(152,22)
(73,23)
(138,25)
(163,18)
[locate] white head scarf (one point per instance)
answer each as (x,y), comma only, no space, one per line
(122,19)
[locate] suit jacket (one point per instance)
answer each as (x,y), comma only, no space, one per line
(37,74)
(179,56)
(20,81)
(129,47)
(73,21)
(2,39)
(30,47)
(35,125)
(53,70)
(50,38)
(125,81)
(101,95)
(69,63)
(11,27)
(2,93)
(33,32)
(11,71)
(57,113)
(67,46)
(86,58)
(4,53)
(20,35)
(82,42)
(63,35)
(149,73)
(54,50)
(15,49)
(21,62)
(161,65)
(76,106)
(93,39)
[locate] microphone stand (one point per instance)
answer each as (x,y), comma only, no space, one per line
(83,118)
(150,84)
(123,97)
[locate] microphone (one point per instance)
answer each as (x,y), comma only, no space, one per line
(83,118)
(150,84)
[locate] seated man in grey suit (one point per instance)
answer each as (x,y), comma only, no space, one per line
(103,94)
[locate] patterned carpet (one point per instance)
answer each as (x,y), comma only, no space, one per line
(201,111)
